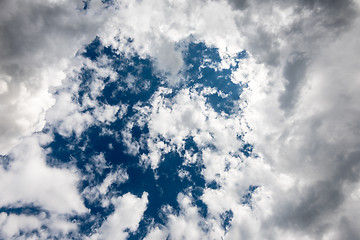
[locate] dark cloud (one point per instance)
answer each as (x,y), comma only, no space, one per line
(349,229)
(348,168)
(292,45)
(25,31)
(265,46)
(239,4)
(332,13)
(294,73)
(318,204)
(37,41)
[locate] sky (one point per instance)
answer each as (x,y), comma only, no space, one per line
(163,119)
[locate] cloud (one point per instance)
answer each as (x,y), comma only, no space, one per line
(100,191)
(67,116)
(156,234)
(306,128)
(126,217)
(43,38)
(22,226)
(74,114)
(38,40)
(172,121)
(28,180)
(299,109)
(12,224)
(156,29)
(187,224)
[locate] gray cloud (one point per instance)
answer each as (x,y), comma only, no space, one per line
(348,229)
(273,39)
(239,4)
(316,211)
(305,122)
(294,73)
(303,61)
(331,13)
(38,39)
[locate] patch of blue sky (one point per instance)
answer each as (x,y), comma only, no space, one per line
(163,184)
(202,69)
(247,149)
(140,87)
(86,4)
(226,219)
(30,234)
(164,189)
(29,209)
(5,161)
(247,198)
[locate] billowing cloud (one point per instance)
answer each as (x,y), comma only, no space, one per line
(126,217)
(28,183)
(27,179)
(279,160)
(310,133)
(38,41)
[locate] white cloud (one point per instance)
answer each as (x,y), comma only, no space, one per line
(300,111)
(186,225)
(28,180)
(132,146)
(306,127)
(157,28)
(128,212)
(11,225)
(67,116)
(38,40)
(70,115)
(156,234)
(21,226)
(106,113)
(188,115)
(99,190)
(118,176)
(26,78)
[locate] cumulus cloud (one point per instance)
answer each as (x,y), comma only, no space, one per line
(306,125)
(299,109)
(12,224)
(156,28)
(126,217)
(301,113)
(187,115)
(22,226)
(38,40)
(70,114)
(28,180)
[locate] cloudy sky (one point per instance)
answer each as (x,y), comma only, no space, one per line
(164,119)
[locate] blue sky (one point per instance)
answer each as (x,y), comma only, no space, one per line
(166,182)
(221,119)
